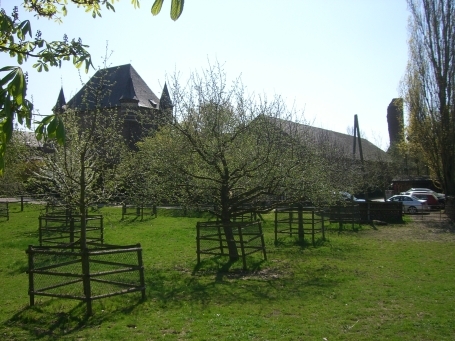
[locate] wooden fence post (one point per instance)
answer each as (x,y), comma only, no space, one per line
(300,223)
(31,266)
(86,279)
(141,270)
(198,242)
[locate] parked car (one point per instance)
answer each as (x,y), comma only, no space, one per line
(418,189)
(430,198)
(440,196)
(349,197)
(411,204)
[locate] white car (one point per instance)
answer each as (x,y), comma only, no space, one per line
(410,204)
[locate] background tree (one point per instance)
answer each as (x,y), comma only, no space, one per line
(226,149)
(23,157)
(429,87)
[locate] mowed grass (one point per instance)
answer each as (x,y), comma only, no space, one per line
(395,282)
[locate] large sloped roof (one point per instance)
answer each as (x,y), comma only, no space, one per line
(342,142)
(114,85)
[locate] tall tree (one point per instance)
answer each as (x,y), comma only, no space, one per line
(226,149)
(429,86)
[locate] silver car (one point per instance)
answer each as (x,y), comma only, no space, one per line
(411,204)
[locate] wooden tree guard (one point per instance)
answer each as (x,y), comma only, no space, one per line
(55,229)
(138,210)
(211,240)
(85,274)
(4,210)
(347,214)
(299,221)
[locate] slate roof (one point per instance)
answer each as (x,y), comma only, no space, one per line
(343,142)
(121,83)
(61,101)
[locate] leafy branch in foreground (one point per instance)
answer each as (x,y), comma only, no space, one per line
(16,40)
(13,81)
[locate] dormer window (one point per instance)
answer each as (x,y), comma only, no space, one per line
(153,103)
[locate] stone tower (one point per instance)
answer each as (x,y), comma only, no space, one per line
(395,121)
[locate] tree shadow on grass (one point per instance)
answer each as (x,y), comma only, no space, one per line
(214,281)
(303,244)
(55,318)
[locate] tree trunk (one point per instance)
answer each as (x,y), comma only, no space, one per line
(226,222)
(82,203)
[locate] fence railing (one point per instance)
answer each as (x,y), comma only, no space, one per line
(299,221)
(85,274)
(61,229)
(138,210)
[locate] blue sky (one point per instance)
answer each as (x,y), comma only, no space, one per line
(331,59)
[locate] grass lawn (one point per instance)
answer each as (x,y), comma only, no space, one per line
(395,282)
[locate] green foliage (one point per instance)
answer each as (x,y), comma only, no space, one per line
(228,150)
(428,88)
(176,8)
(82,170)
(13,85)
(22,159)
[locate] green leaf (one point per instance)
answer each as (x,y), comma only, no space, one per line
(24,28)
(6,111)
(52,127)
(47,119)
(135,3)
(60,132)
(39,132)
(7,78)
(156,8)
(7,128)
(110,7)
(176,9)
(17,87)
(8,68)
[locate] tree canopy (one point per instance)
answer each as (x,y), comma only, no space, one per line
(429,87)
(229,151)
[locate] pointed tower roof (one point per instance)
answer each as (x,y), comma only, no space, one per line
(61,101)
(165,100)
(109,87)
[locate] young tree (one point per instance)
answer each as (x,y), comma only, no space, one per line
(83,169)
(225,149)
(429,87)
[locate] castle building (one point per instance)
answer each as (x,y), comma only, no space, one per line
(121,90)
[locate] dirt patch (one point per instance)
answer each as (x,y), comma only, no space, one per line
(435,226)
